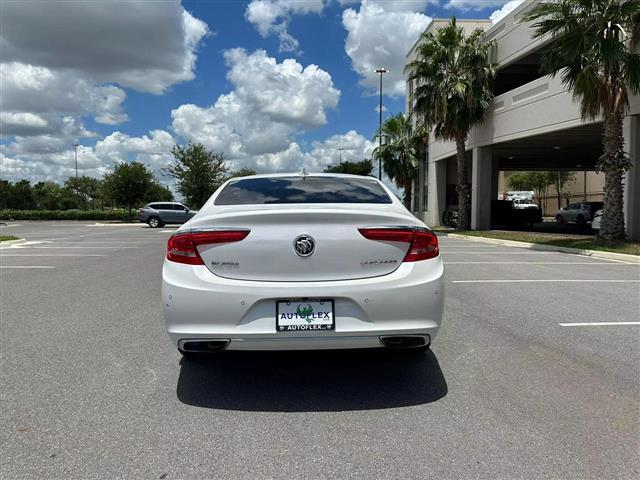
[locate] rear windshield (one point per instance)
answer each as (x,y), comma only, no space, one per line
(252,191)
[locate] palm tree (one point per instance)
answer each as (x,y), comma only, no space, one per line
(454,76)
(592,47)
(399,153)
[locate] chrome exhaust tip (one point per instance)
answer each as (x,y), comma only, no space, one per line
(203,345)
(405,341)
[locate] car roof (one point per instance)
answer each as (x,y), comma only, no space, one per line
(300,174)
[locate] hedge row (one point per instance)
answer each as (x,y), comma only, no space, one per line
(66,215)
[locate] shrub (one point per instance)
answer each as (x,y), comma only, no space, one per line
(120,215)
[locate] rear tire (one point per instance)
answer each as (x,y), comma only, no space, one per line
(559,219)
(154,222)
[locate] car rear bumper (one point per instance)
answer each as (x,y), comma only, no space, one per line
(200,305)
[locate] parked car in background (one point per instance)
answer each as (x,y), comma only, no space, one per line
(579,213)
(510,214)
(158,214)
(521,199)
(302,262)
(595,223)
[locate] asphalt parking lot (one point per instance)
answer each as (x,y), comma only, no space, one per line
(521,383)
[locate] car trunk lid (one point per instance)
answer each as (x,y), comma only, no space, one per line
(310,243)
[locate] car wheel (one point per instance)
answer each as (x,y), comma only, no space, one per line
(559,219)
(580,220)
(154,222)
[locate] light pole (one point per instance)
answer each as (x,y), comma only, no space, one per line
(341,149)
(380,71)
(75,151)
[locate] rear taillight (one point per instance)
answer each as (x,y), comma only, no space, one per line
(423,244)
(182,247)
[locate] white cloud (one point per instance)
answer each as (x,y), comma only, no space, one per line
(473,4)
(380,34)
(63,62)
(354,147)
(48,158)
(52,94)
(351,147)
(22,122)
(57,166)
(269,104)
(256,123)
(154,149)
(54,138)
(499,14)
(147,46)
(271,17)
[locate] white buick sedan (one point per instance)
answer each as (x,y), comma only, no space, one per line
(302,261)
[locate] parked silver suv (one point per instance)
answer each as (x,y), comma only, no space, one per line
(580,213)
(158,214)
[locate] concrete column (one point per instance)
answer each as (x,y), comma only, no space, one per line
(419,188)
(632,177)
(436,192)
(483,185)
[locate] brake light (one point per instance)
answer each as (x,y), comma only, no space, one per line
(423,244)
(182,247)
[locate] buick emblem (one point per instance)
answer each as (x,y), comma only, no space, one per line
(304,245)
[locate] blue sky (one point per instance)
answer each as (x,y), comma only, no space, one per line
(274,84)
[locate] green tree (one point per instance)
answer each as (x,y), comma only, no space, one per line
(594,48)
(85,189)
(5,187)
(561,179)
(158,193)
(242,172)
(21,196)
(50,195)
(454,77)
(399,153)
(363,167)
(539,182)
(107,191)
(130,183)
(198,171)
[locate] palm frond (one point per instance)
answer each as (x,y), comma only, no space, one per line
(454,76)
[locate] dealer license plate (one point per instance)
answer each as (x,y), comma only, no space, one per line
(304,315)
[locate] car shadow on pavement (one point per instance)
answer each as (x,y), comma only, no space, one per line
(311,381)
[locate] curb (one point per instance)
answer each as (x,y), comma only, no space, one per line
(551,248)
(123,224)
(13,242)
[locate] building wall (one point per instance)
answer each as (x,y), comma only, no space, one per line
(541,106)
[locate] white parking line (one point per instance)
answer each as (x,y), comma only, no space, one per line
(543,263)
(583,280)
(71,248)
(26,266)
(2,255)
(501,252)
(596,324)
(109,242)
